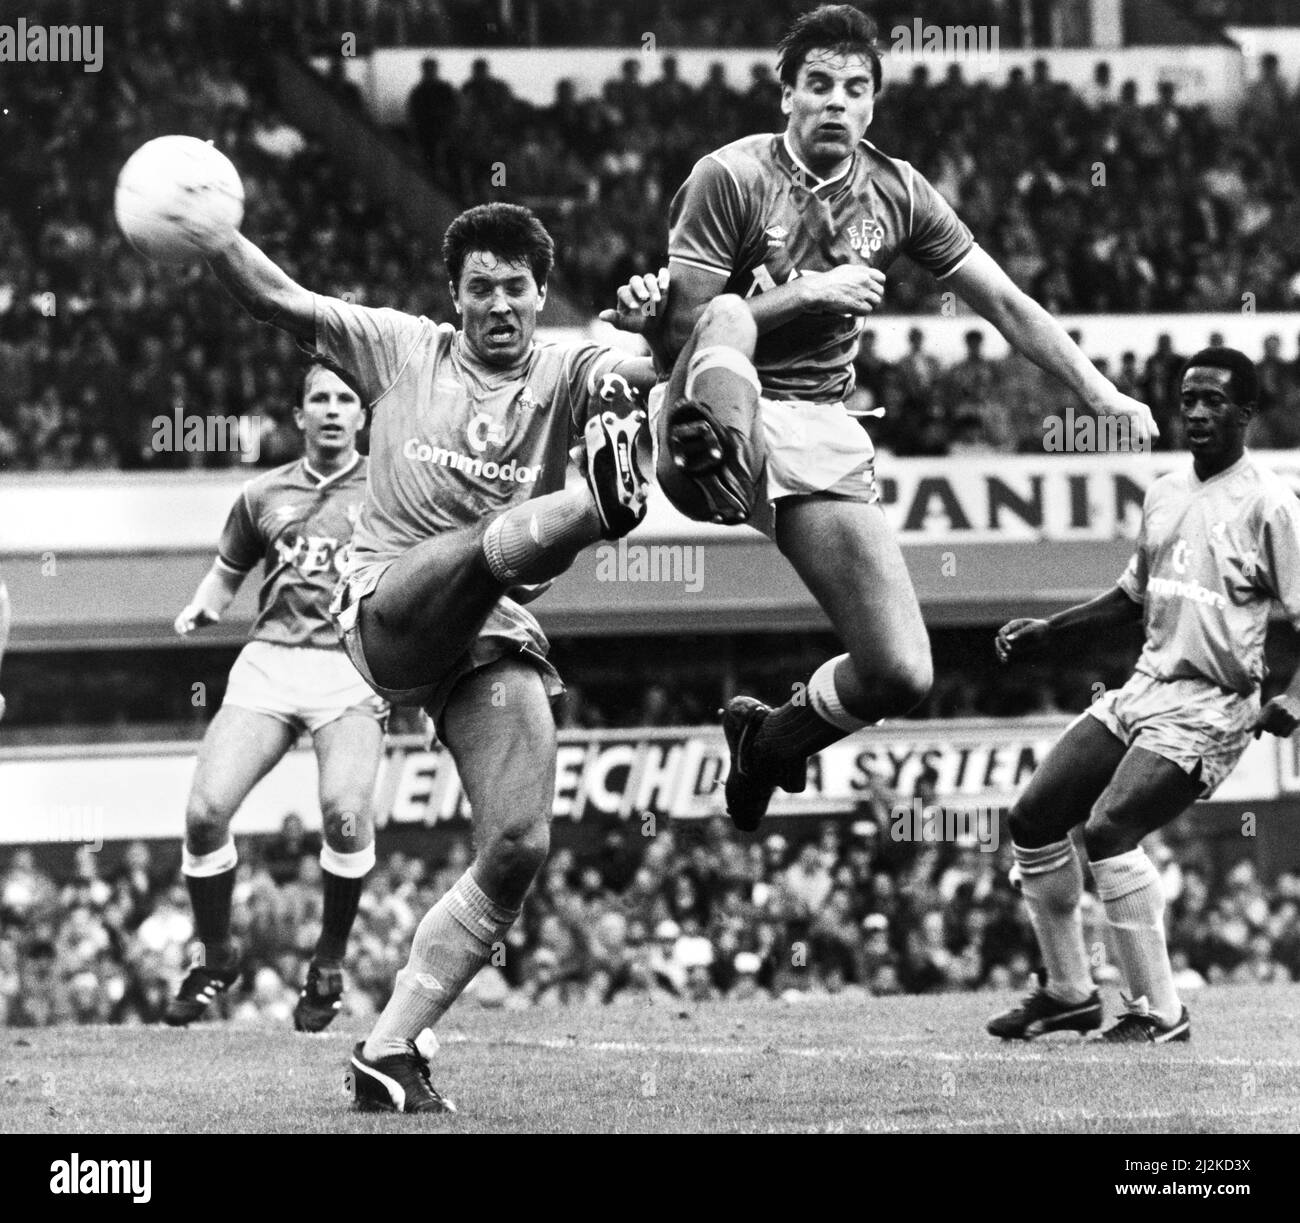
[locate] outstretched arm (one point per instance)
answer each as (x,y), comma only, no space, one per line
(983,285)
(264,289)
(1023,636)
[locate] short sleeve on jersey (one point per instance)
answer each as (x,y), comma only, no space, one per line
(373,345)
(241,547)
(1279,560)
(938,239)
(706,219)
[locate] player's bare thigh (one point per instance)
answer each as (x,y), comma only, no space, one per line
(500,729)
(238,750)
(427,609)
(847,556)
(1146,793)
(348,753)
(1061,793)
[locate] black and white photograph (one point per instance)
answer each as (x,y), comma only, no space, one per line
(666,567)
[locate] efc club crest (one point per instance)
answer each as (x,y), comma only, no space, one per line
(865,238)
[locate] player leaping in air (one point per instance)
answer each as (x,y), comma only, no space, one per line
(296,521)
(778,247)
(465,508)
(1219,545)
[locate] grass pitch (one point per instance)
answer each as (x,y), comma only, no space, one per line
(910,1065)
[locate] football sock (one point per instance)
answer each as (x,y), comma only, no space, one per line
(451,944)
(807,722)
(725,380)
(1051,881)
(539,539)
(343,876)
(1129,887)
(210,879)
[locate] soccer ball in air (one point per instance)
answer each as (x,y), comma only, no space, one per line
(174,195)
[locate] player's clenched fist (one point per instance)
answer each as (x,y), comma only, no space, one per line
(640,303)
(1019,637)
(194,617)
(1279,717)
(1141,423)
(847,289)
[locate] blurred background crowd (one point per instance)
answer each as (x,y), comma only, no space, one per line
(95,342)
(685,916)
(1023,23)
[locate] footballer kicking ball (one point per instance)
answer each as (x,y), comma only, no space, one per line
(176,196)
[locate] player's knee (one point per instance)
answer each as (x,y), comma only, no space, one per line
(1107,833)
(901,685)
(346,826)
(518,850)
(727,320)
(1028,826)
(207,824)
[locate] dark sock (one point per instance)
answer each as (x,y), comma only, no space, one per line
(342,896)
(210,897)
(793,732)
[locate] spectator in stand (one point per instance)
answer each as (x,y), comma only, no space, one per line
(286,853)
(670,97)
(431,112)
(874,390)
(1160,382)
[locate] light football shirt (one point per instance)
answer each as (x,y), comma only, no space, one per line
(452,440)
(1212,558)
(754,214)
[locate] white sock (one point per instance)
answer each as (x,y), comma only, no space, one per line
(1051,881)
(451,944)
(1129,887)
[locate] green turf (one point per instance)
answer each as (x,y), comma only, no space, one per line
(919,1064)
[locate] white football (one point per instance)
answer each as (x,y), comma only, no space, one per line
(176,195)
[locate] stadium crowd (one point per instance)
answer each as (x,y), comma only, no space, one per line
(96,343)
(681,917)
(1093,201)
(1021,23)
(542,23)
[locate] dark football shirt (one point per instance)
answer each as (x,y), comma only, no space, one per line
(299,524)
(751,212)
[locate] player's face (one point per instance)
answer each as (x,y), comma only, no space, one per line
(498,303)
(330,414)
(1213,423)
(829,108)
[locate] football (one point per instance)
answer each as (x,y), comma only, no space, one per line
(173,193)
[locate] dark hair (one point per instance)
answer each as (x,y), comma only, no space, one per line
(319,362)
(834,27)
(1243,385)
(509,231)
